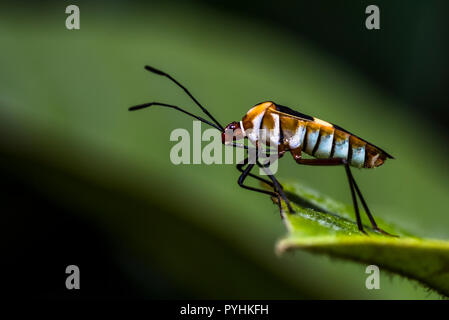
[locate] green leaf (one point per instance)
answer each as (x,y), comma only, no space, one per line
(324,226)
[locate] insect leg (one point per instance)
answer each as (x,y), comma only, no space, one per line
(336,162)
(353,186)
(277,186)
(354,198)
(245,161)
(368,212)
(240,168)
(243,177)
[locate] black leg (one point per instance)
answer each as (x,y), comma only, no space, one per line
(245,161)
(277,187)
(353,186)
(368,212)
(245,173)
(275,184)
(354,198)
(267,165)
(243,177)
(240,168)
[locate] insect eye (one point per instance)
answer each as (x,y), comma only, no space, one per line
(234,125)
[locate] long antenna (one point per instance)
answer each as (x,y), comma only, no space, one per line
(161,73)
(149,104)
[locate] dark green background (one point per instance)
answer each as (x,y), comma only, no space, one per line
(85,182)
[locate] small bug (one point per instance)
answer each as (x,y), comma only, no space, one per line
(292,131)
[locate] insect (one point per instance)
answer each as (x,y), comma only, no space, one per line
(297,133)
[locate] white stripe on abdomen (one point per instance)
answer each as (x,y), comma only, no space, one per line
(275,132)
(325,146)
(341,149)
(253,133)
(312,137)
(358,157)
(297,139)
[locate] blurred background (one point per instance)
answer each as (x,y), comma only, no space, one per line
(86,182)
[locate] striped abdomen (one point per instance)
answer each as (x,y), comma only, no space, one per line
(292,130)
